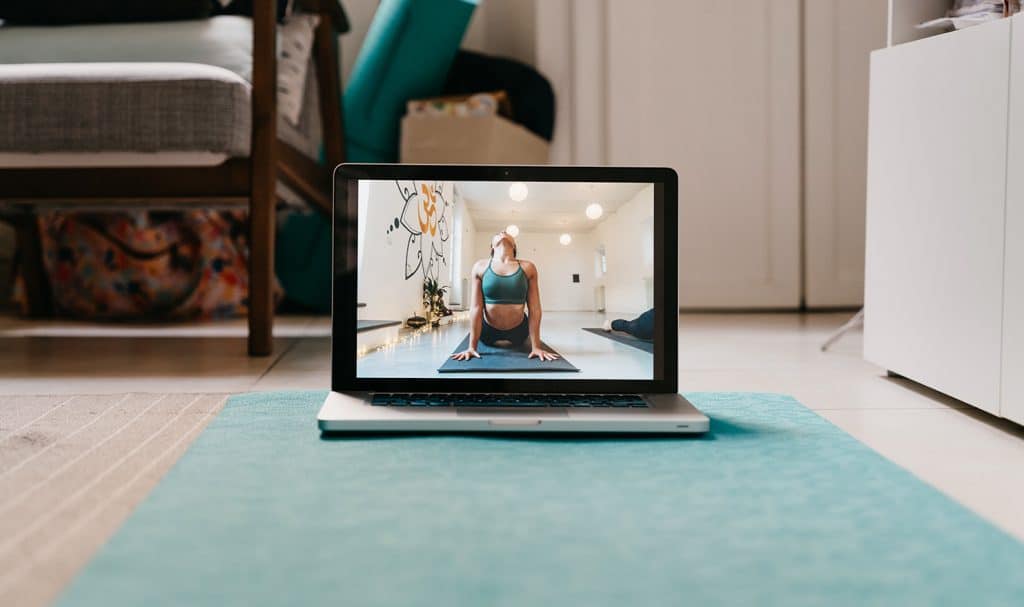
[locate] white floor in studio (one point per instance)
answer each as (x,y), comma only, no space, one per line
(596,357)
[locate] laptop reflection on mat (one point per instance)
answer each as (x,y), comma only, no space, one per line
(535,255)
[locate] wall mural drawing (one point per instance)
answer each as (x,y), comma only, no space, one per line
(425,217)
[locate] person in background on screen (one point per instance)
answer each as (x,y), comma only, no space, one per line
(641,327)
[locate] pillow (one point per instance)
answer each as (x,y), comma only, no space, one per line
(63,12)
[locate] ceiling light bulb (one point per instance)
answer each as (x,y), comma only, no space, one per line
(512,230)
(594,210)
(518,191)
(565,239)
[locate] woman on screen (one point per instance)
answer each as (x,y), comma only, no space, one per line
(504,289)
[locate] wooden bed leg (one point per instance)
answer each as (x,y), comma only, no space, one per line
(263,179)
(33,270)
(261,273)
(327,58)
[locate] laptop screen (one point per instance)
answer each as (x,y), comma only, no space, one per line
(500,280)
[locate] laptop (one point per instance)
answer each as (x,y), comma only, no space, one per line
(505,299)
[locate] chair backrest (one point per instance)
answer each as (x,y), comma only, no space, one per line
(406,55)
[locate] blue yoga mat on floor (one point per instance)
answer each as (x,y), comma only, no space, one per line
(775,506)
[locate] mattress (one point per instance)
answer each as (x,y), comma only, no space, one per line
(223,42)
(123,107)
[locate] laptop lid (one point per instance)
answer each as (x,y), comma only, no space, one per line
(423,253)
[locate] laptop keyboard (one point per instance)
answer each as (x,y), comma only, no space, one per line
(509,400)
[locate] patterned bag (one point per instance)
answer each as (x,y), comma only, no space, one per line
(147,265)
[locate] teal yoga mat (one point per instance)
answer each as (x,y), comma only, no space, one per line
(775,506)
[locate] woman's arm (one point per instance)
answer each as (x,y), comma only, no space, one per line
(476,317)
(535,313)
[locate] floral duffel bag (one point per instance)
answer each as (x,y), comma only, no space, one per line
(146,265)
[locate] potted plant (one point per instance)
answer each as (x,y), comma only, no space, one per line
(433,301)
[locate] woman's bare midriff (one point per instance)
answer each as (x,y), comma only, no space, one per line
(504,316)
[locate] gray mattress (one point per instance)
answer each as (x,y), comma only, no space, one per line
(202,106)
(138,107)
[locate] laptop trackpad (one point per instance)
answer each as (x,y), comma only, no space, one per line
(510,412)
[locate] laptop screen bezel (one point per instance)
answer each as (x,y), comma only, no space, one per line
(345,279)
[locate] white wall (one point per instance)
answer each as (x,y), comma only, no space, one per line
(839,37)
(360,13)
(555,266)
(465,253)
(390,273)
(711,89)
(627,235)
(504,27)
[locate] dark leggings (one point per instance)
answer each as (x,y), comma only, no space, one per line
(517,335)
(642,327)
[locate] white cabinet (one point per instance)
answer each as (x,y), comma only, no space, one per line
(838,39)
(1012,401)
(944,219)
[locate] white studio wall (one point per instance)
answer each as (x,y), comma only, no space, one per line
(405,237)
(593,244)
(465,253)
(626,236)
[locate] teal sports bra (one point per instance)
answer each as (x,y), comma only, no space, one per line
(500,289)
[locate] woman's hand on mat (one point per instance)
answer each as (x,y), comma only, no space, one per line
(466,354)
(543,355)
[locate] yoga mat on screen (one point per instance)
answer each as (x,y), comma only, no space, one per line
(624,338)
(775,506)
(497,359)
(370,325)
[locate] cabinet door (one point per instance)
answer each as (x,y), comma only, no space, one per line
(712,89)
(936,198)
(838,39)
(1012,402)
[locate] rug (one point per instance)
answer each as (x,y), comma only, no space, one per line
(774,506)
(72,468)
(498,359)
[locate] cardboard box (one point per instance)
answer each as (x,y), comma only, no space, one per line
(469,140)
